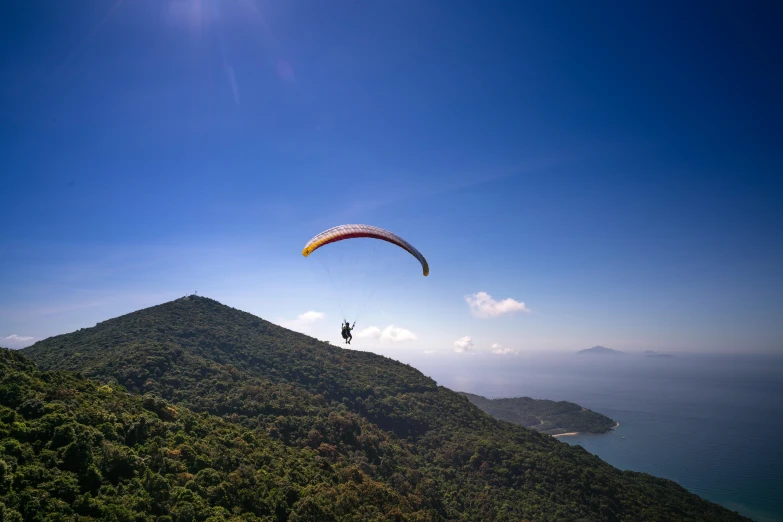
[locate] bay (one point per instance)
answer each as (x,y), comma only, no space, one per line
(712,423)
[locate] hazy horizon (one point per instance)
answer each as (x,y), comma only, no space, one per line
(413,351)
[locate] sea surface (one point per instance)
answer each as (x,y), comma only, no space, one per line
(713,424)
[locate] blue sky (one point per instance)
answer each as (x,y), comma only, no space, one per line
(615,168)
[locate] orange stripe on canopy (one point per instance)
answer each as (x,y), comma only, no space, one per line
(353,231)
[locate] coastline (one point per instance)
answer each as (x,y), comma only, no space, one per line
(577,433)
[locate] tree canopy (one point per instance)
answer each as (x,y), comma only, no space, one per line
(309,432)
(551,417)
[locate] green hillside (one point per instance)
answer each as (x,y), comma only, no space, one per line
(73,449)
(551,417)
(358,415)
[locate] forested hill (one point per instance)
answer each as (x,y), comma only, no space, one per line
(74,449)
(360,415)
(551,417)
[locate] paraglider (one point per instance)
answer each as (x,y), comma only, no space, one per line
(343,232)
(347,332)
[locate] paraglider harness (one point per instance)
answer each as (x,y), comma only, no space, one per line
(347,332)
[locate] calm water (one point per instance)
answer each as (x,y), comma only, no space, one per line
(714,424)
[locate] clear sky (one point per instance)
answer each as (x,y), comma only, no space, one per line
(582,172)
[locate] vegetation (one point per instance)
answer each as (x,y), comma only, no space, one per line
(73,448)
(545,416)
(307,431)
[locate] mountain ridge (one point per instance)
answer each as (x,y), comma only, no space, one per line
(364,411)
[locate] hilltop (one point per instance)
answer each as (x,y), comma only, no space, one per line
(550,417)
(602,350)
(364,418)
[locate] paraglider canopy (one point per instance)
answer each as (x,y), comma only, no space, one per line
(353,279)
(353,231)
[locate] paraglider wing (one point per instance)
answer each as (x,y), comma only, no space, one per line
(353,231)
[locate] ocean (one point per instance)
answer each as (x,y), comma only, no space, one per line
(713,424)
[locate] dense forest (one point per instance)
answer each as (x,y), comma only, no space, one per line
(193,410)
(551,417)
(71,448)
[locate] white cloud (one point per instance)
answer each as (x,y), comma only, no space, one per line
(14,337)
(371,332)
(391,333)
(463,345)
(397,334)
(499,350)
(311,317)
(16,341)
(483,305)
(303,321)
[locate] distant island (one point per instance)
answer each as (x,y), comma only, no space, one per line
(603,350)
(550,417)
(600,350)
(654,354)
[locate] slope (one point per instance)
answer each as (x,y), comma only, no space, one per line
(71,448)
(365,411)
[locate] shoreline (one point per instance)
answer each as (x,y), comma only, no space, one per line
(571,433)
